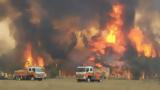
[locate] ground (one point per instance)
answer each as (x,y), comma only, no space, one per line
(71,84)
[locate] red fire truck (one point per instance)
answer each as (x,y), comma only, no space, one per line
(90,73)
(30,73)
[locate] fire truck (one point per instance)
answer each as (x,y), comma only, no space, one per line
(90,73)
(30,73)
(3,75)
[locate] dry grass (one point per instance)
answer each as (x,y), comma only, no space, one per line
(71,84)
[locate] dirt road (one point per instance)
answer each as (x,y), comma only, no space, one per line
(71,84)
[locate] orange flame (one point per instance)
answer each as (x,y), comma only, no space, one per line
(115,25)
(142,77)
(29,60)
(40,61)
(111,37)
(143,47)
(98,46)
(99,65)
(114,36)
(28,56)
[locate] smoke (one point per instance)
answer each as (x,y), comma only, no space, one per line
(6,39)
(147,17)
(61,29)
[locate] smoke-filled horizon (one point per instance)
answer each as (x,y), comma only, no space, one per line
(59,28)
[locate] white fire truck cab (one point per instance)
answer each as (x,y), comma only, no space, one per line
(89,73)
(30,73)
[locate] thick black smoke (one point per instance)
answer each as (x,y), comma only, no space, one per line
(45,35)
(50,25)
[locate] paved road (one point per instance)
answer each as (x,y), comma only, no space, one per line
(71,84)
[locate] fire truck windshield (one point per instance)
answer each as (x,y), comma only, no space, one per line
(39,70)
(80,70)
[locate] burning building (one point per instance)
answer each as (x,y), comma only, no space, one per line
(63,34)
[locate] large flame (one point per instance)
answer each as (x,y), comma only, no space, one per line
(143,46)
(115,25)
(113,37)
(28,56)
(29,60)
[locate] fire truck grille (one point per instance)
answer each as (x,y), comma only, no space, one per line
(80,76)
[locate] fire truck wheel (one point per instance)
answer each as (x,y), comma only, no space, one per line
(100,80)
(88,79)
(40,79)
(78,80)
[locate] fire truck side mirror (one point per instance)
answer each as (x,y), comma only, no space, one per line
(29,69)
